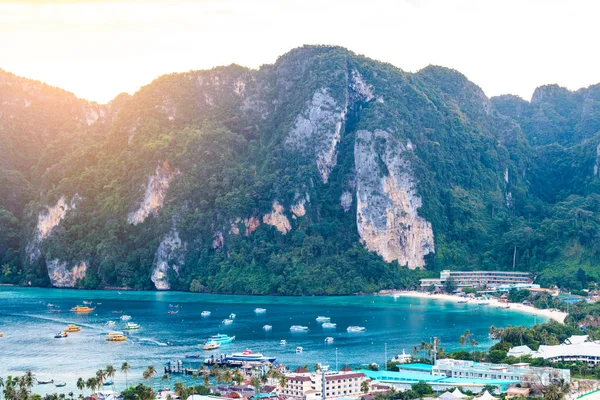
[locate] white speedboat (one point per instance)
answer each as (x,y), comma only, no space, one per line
(283,342)
(356,329)
(329,339)
(299,349)
(259,310)
(232,316)
(131,326)
(267,328)
(329,325)
(227,322)
(248,355)
(205,313)
(110,323)
(323,319)
(211,346)
(402,358)
(298,328)
(125,317)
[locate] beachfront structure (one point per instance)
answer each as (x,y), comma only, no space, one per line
(302,384)
(575,348)
(475,279)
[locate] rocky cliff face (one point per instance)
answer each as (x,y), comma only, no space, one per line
(277,218)
(154,195)
(170,256)
(387,215)
(63,277)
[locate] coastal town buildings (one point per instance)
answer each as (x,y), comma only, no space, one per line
(474,279)
(575,348)
(302,384)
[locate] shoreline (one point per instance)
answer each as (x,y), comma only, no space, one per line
(555,315)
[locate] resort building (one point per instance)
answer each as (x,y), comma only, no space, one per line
(476,279)
(575,348)
(302,384)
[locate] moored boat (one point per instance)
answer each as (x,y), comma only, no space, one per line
(125,317)
(61,335)
(329,339)
(298,328)
(82,309)
(220,338)
(60,384)
(72,328)
(248,355)
(329,325)
(45,382)
(323,319)
(259,310)
(172,312)
(87,303)
(232,316)
(205,313)
(227,321)
(402,358)
(110,323)
(299,349)
(116,336)
(131,326)
(282,342)
(267,327)
(192,356)
(354,328)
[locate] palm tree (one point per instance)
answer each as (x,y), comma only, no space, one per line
(256,383)
(100,378)
(364,387)
(194,377)
(125,369)
(80,384)
(474,344)
(1,383)
(238,377)
(282,381)
(180,389)
(205,380)
(110,373)
(227,376)
(92,383)
(29,379)
(464,338)
(149,373)
(165,378)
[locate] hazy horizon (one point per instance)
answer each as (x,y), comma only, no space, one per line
(100,48)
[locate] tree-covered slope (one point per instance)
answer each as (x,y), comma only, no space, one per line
(324,173)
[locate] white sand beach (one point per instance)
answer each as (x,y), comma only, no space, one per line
(551,314)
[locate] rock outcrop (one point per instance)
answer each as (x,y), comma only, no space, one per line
(169,256)
(597,164)
(277,218)
(319,127)
(156,191)
(250,225)
(299,209)
(387,202)
(63,277)
(346,200)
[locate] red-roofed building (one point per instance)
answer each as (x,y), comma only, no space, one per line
(303,385)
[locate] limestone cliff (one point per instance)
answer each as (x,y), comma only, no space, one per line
(61,276)
(387,202)
(277,218)
(154,195)
(170,256)
(597,163)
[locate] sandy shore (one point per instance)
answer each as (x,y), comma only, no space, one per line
(550,314)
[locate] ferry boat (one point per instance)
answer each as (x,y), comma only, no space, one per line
(116,337)
(329,339)
(323,319)
(248,355)
(299,349)
(267,328)
(227,321)
(82,309)
(232,316)
(402,358)
(211,346)
(356,329)
(72,328)
(329,325)
(125,317)
(298,328)
(61,335)
(259,310)
(205,313)
(131,326)
(220,338)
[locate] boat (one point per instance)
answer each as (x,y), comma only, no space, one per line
(50,305)
(82,309)
(299,349)
(283,342)
(227,321)
(205,313)
(329,325)
(328,339)
(110,323)
(61,335)
(87,303)
(483,303)
(131,326)
(72,328)
(298,328)
(55,310)
(117,312)
(192,356)
(248,355)
(211,346)
(259,310)
(402,358)
(356,329)
(45,382)
(504,307)
(125,317)
(173,305)
(463,301)
(220,338)
(116,336)
(232,316)
(323,319)
(172,312)
(108,383)
(267,327)
(60,384)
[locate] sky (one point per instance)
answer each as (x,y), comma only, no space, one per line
(100,48)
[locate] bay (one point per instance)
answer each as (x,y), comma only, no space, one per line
(401,323)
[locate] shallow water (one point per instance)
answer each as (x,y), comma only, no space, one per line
(402,323)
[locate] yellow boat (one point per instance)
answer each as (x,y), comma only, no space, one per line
(82,309)
(116,337)
(72,328)
(1,334)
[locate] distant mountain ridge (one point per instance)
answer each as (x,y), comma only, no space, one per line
(325,173)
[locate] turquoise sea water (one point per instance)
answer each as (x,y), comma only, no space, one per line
(402,323)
